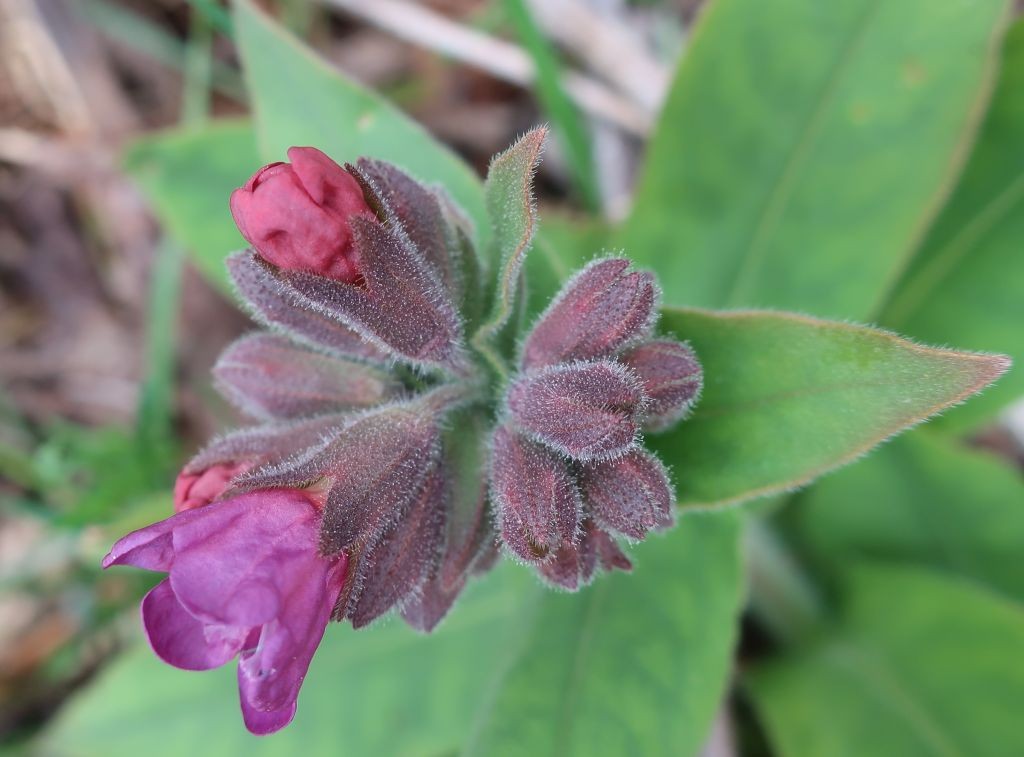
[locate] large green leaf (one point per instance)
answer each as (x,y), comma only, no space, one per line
(966,285)
(634,664)
(922,666)
(382,691)
(926,499)
(788,398)
(187,175)
(804,146)
(563,245)
(300,100)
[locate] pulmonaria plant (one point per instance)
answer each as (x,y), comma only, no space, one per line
(398,445)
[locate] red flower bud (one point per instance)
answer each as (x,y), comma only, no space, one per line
(192,490)
(297,216)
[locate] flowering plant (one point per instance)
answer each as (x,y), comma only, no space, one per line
(427,397)
(342,502)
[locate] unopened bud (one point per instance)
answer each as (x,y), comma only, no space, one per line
(588,411)
(671,378)
(298,215)
(538,503)
(599,311)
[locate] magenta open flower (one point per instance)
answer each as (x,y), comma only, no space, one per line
(244,579)
(298,215)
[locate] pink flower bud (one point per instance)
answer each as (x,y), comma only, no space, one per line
(192,490)
(297,216)
(630,495)
(538,503)
(587,411)
(671,377)
(600,310)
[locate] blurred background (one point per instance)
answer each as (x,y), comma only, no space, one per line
(109,325)
(108,332)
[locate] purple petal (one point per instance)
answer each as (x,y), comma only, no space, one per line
(182,641)
(630,495)
(269,676)
(234,565)
(149,548)
(260,723)
(266,376)
(671,378)
(586,411)
(537,500)
(599,311)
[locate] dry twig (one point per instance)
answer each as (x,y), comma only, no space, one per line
(501,59)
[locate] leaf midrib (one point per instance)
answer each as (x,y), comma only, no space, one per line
(782,188)
(903,305)
(859,665)
(719,411)
(594,599)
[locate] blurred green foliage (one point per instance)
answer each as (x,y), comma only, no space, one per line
(917,664)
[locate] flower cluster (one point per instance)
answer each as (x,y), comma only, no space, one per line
(375,476)
(567,469)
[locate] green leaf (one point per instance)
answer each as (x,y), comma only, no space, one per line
(298,99)
(381,691)
(563,245)
(788,398)
(804,147)
(922,665)
(964,286)
(634,664)
(508,192)
(926,499)
(187,176)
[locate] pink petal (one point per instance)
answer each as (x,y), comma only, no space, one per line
(149,548)
(182,641)
(262,723)
(269,676)
(234,565)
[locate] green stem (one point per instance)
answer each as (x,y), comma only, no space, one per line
(782,596)
(156,402)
